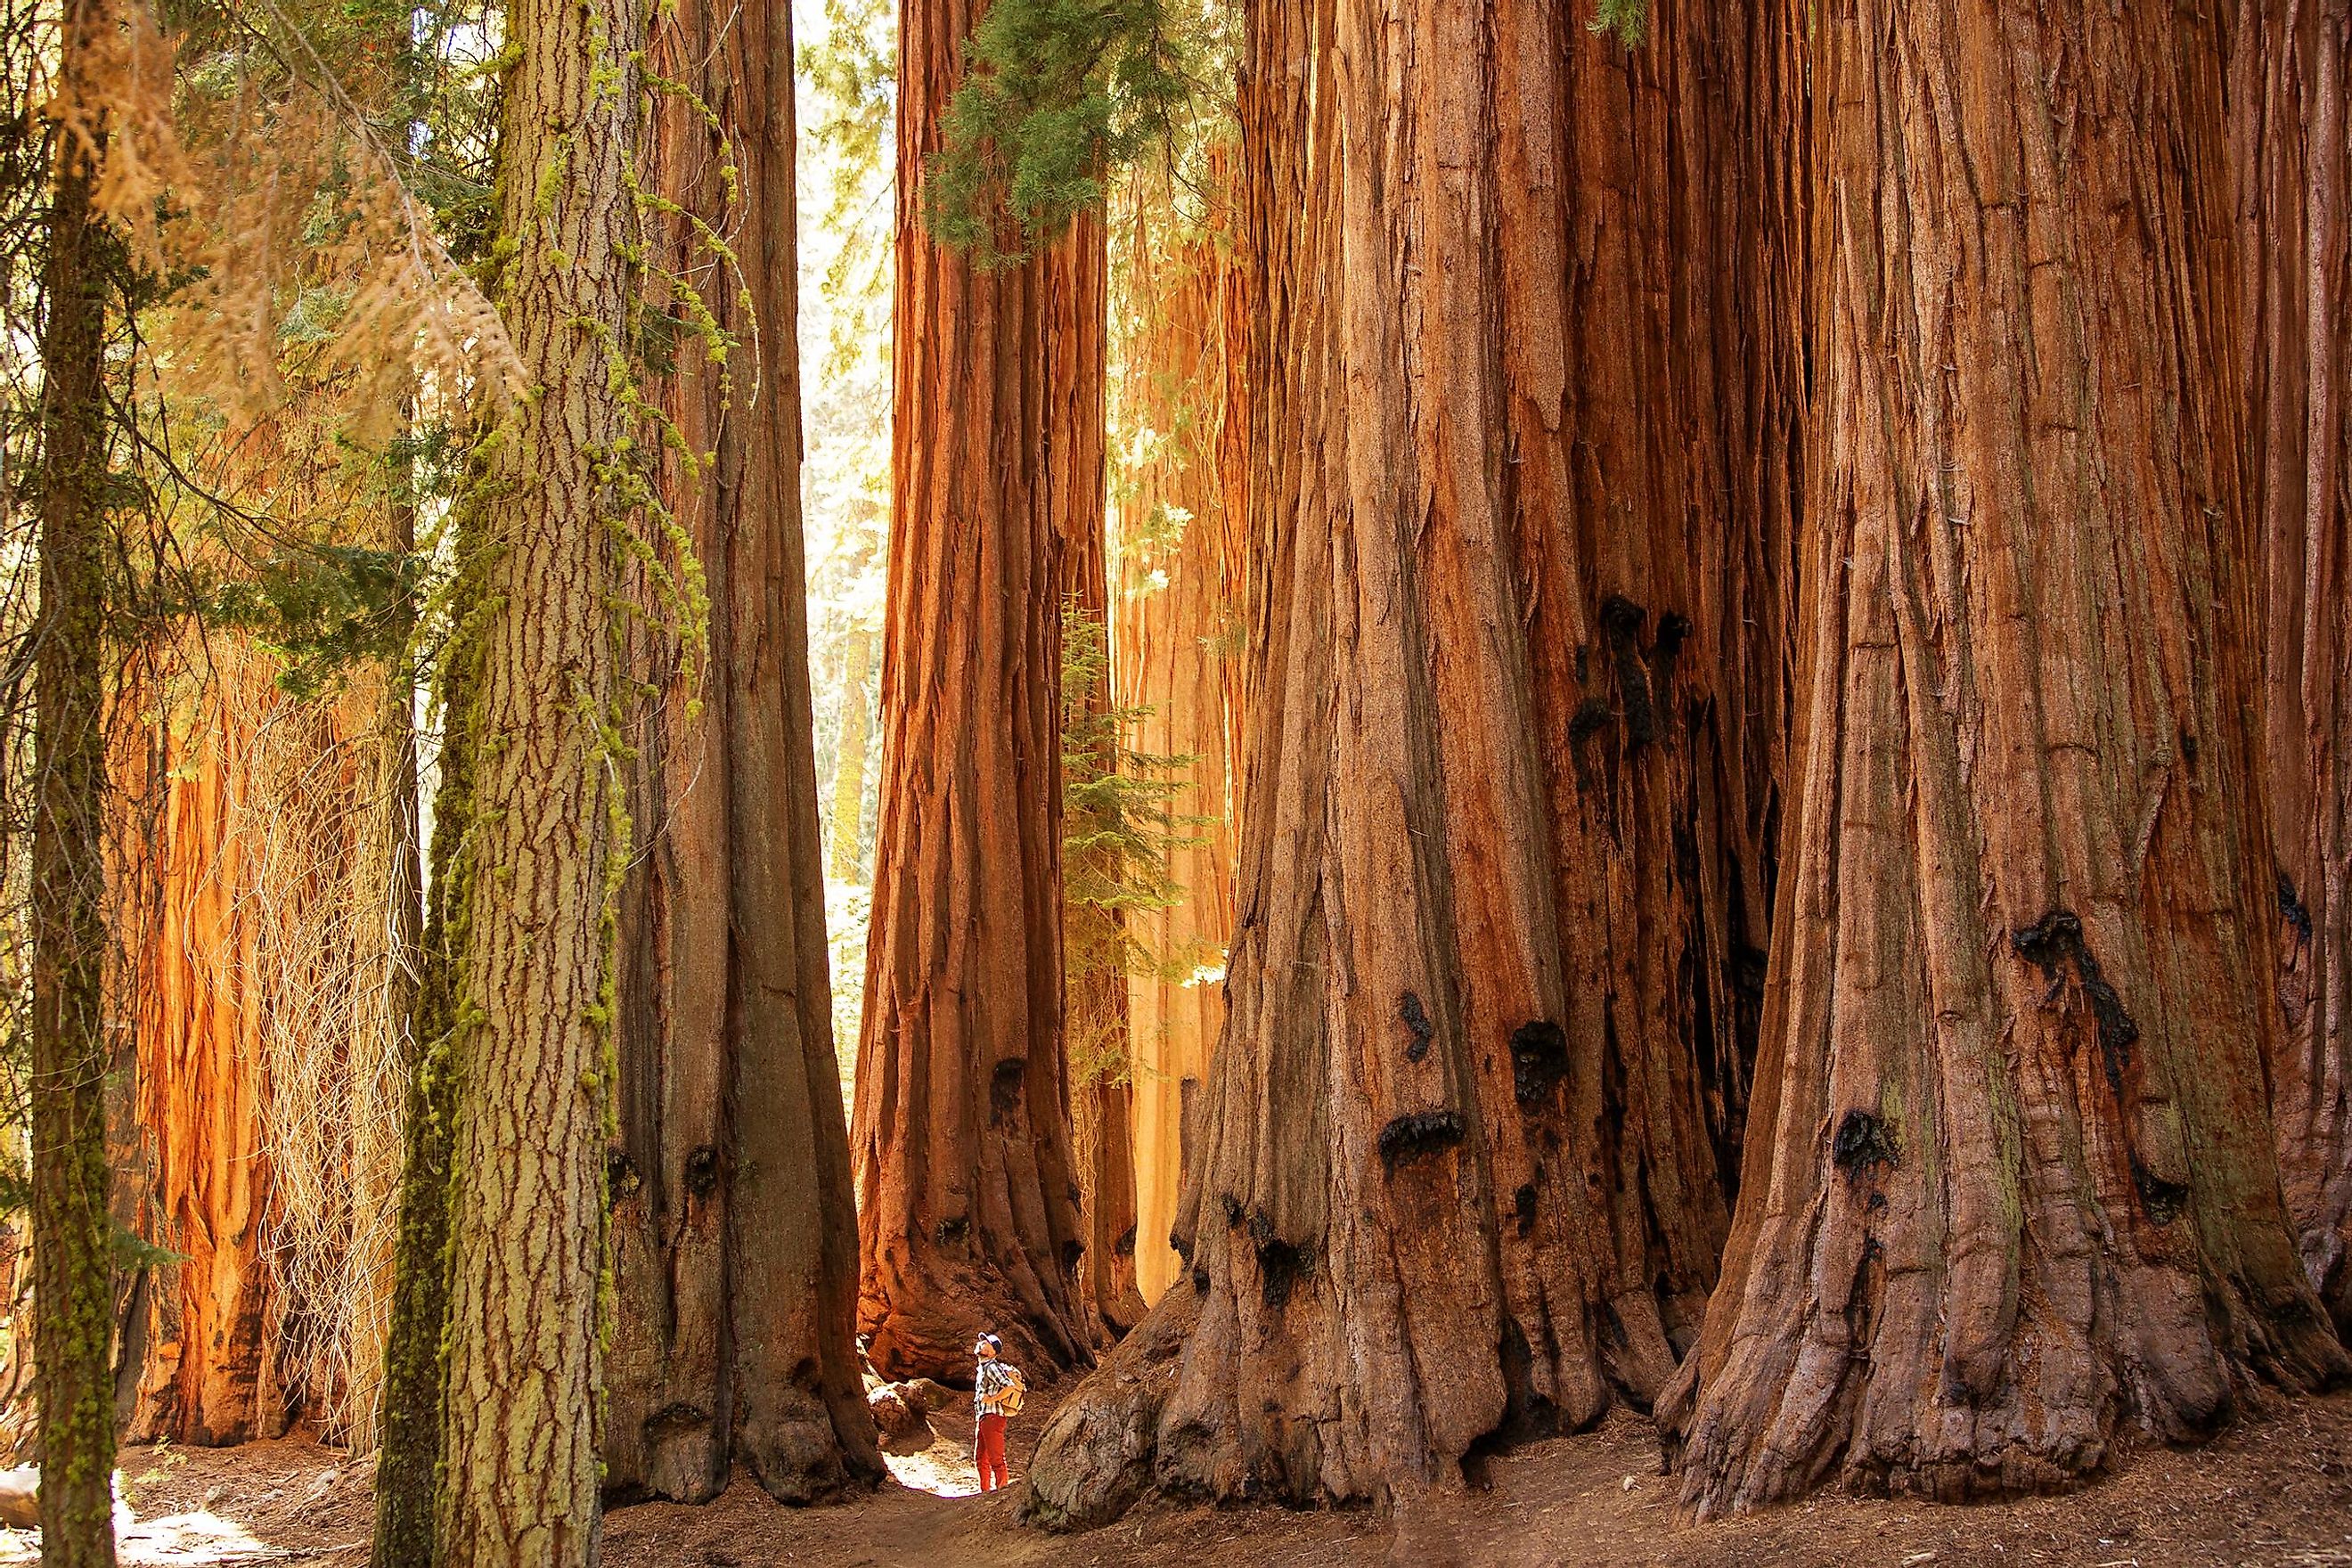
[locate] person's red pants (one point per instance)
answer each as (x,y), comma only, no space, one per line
(990,1456)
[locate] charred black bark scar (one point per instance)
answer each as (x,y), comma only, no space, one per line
(1004,1086)
(2160,1200)
(950,1231)
(1416,1022)
(2290,908)
(1523,1208)
(1538,1061)
(1279,1263)
(702,1171)
(1417,1133)
(2053,941)
(1621,622)
(1862,1141)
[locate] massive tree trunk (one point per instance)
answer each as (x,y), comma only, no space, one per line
(534,1038)
(2294,157)
(968,1196)
(1177,662)
(72,1238)
(734,1232)
(1459,1175)
(2010,1183)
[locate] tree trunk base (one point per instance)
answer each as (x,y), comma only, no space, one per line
(1097,1456)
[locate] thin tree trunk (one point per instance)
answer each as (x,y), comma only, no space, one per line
(2010,1184)
(735,1233)
(1460,1176)
(72,1288)
(849,756)
(410,1414)
(2294,157)
(534,1038)
(968,1195)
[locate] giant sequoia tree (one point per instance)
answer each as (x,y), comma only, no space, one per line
(969,1206)
(735,1239)
(2293,155)
(1500,839)
(2009,1183)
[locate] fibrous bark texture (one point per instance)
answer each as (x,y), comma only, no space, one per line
(1459,1169)
(969,1205)
(534,1038)
(1095,946)
(72,1237)
(1177,661)
(735,1261)
(2294,158)
(2009,1183)
(258,857)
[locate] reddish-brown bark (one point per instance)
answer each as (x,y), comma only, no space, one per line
(1177,661)
(1459,1173)
(968,1203)
(2293,159)
(2009,1183)
(734,1235)
(1095,1025)
(191,1165)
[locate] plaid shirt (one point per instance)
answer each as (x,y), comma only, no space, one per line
(989,1385)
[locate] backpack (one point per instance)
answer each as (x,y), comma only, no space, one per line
(1009,1401)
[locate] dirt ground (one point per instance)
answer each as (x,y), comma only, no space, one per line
(2275,1490)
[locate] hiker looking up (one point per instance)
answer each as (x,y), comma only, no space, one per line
(997,1388)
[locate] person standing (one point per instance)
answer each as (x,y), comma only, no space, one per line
(996,1389)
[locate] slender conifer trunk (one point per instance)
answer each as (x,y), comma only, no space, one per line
(534,1038)
(73,1309)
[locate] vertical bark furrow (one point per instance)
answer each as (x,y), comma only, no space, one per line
(2292,156)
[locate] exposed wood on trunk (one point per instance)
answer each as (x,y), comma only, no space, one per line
(969,1204)
(735,1261)
(2293,160)
(1177,657)
(1460,1173)
(535,1038)
(196,1343)
(2010,1184)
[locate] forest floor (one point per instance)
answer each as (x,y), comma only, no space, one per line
(2276,1489)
